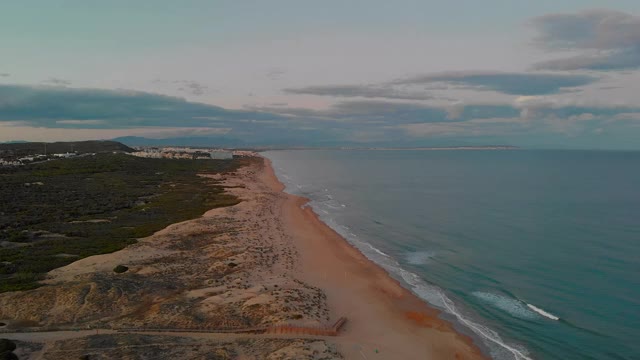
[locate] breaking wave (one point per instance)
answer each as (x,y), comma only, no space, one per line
(328,208)
(543,313)
(420,257)
(513,307)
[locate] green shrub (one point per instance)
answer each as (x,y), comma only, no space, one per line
(134,198)
(6,348)
(7,345)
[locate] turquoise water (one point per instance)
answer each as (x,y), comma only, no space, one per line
(536,254)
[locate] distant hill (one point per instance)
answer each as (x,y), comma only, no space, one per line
(81,147)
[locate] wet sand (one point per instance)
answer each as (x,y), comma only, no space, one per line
(385,320)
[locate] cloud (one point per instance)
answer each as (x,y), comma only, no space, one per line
(189,87)
(362,114)
(192,87)
(402,113)
(81,122)
(609,87)
(46,105)
(530,120)
(5,74)
(21,131)
(60,112)
(477,127)
(275,73)
(364,91)
(559,103)
(503,82)
(454,111)
(45,112)
(609,60)
(161,133)
(543,107)
(628,116)
(560,123)
(604,39)
(57,82)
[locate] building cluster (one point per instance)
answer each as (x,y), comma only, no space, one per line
(12,161)
(9,159)
(9,162)
(244,153)
(183,153)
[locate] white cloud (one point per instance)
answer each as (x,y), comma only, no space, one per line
(604,39)
(627,116)
(474,127)
(81,122)
(20,131)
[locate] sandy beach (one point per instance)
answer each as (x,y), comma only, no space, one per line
(200,285)
(386,321)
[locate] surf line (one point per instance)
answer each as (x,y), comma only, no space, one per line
(542,312)
(476,328)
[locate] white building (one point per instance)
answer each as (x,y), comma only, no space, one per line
(221,154)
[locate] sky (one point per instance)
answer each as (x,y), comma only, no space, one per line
(535,74)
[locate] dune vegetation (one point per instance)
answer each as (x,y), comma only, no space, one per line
(56,212)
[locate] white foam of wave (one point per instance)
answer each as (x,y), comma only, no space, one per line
(433,295)
(513,307)
(420,257)
(334,207)
(324,201)
(376,250)
(543,313)
(429,293)
(488,334)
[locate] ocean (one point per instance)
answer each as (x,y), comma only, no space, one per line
(535,254)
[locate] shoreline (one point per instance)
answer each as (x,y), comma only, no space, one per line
(385,319)
(266,261)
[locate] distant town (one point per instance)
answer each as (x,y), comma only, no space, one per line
(7,159)
(189,153)
(20,154)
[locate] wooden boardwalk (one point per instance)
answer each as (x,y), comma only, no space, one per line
(273,329)
(304,330)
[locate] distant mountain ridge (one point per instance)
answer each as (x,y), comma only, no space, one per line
(125,144)
(181,141)
(231,142)
(81,147)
